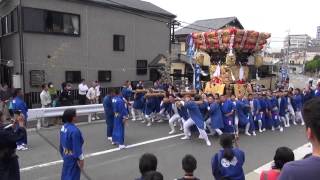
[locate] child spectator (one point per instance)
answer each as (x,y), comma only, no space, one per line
(153,175)
(282,156)
(189,165)
(147,163)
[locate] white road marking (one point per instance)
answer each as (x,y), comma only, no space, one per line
(100,153)
(299,153)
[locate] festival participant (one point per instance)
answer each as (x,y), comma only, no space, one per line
(274,111)
(317,91)
(10,134)
(236,117)
(263,111)
(157,103)
(18,104)
(175,115)
(215,122)
(203,106)
(71,143)
(228,162)
(297,105)
(195,119)
(290,111)
(140,85)
(227,109)
(183,113)
(120,119)
(283,107)
(149,108)
(255,109)
(127,91)
(138,103)
(109,114)
(308,93)
(165,109)
(242,110)
(247,112)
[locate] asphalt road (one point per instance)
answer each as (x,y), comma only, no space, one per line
(111,164)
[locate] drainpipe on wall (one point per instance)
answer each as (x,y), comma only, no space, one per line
(21,46)
(170,36)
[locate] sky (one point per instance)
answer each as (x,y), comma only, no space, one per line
(275,16)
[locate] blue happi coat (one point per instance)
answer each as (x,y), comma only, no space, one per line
(19,105)
(317,92)
(228,121)
(183,112)
(256,109)
(204,109)
(108,110)
(126,93)
(283,106)
(263,111)
(297,102)
(224,169)
(157,101)
(273,120)
(138,102)
(216,116)
(120,112)
(242,111)
(167,107)
(71,143)
(249,114)
(149,105)
(307,96)
(195,114)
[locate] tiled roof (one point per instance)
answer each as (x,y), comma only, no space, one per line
(135,5)
(207,25)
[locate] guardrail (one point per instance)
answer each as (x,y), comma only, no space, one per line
(40,113)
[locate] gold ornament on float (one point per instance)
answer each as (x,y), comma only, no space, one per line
(230,60)
(258,61)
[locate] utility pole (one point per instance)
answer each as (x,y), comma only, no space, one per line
(305,54)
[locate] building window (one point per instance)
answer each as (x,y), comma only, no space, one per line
(142,67)
(183,47)
(9,23)
(177,74)
(104,76)
(73,76)
(118,42)
(52,22)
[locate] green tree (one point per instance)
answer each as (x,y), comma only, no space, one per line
(313,65)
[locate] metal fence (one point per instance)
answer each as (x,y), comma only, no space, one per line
(33,98)
(39,113)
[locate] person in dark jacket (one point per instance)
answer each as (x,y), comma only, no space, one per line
(10,134)
(66,95)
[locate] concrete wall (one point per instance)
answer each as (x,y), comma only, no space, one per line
(10,49)
(93,50)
